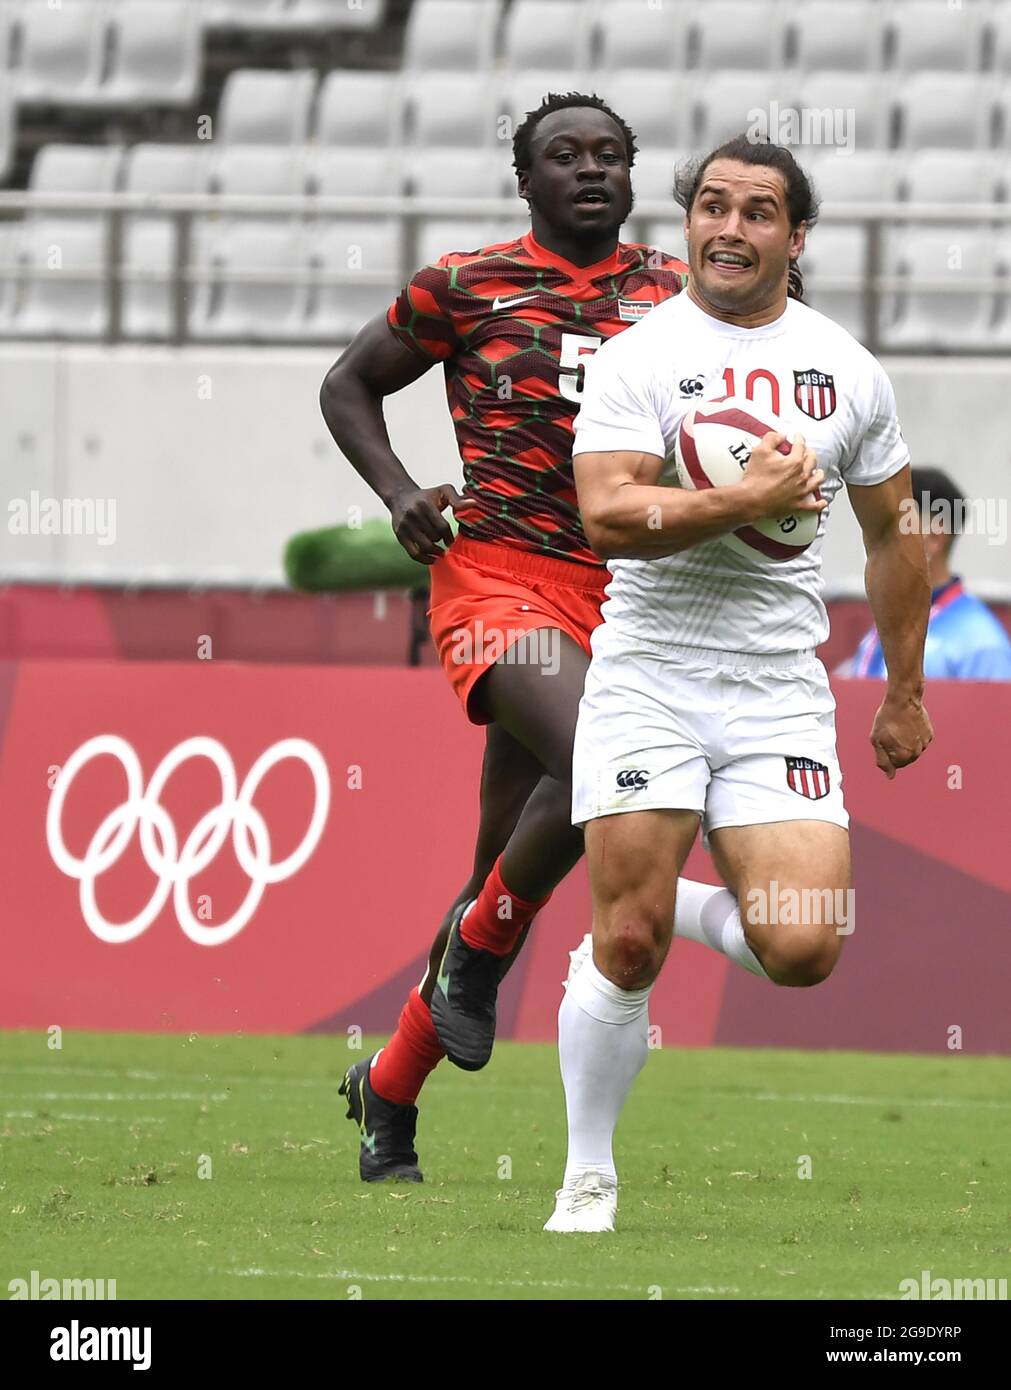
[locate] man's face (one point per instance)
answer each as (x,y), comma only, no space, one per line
(740,243)
(578,178)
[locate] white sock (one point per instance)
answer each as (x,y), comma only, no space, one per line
(711,917)
(602,1044)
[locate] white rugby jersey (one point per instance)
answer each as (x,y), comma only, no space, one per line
(811,373)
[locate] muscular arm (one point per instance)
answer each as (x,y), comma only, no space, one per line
(375,365)
(626,516)
(898,590)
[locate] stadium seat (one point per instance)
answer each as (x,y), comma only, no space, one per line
(1001,29)
(659,106)
(157,54)
(865,94)
(266,108)
(255,171)
(341,173)
(846,37)
(744,34)
(62,51)
(65,296)
(951,176)
(366,247)
(10,243)
(439,236)
(323,16)
(929,35)
(524,91)
(270,304)
(451,173)
(8,127)
(635,35)
(946,109)
(939,321)
(149,239)
(462,111)
(653,172)
(61,168)
(242,14)
(864,176)
(732,102)
(359,109)
(451,35)
(668,236)
(836,254)
(548,34)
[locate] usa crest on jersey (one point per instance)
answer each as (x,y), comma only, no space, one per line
(807,777)
(814,393)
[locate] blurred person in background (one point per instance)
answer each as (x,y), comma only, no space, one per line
(965,641)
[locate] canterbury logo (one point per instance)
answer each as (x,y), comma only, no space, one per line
(632,781)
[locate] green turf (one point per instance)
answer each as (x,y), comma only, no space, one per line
(100,1144)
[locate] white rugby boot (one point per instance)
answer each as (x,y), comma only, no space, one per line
(588,1206)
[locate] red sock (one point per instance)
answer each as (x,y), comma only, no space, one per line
(404,1064)
(497,918)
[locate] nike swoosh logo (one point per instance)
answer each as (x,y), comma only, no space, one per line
(507,303)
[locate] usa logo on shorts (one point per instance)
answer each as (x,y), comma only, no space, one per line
(807,777)
(814,393)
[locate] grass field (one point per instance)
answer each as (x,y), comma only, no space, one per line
(101,1144)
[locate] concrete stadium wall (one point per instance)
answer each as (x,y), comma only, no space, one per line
(214,456)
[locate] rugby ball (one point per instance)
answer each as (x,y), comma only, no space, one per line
(714,443)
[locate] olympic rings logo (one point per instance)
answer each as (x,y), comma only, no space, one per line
(159,842)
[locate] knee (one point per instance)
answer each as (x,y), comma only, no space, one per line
(631,956)
(801,959)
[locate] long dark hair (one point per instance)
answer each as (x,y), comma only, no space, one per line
(801,199)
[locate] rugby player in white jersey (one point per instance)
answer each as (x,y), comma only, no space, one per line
(703,680)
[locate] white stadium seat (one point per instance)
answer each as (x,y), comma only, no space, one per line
(945,109)
(157,54)
(744,34)
(334,313)
(660,107)
(254,171)
(669,237)
(864,94)
(269,304)
(10,245)
(1001,25)
(835,253)
(149,239)
(548,34)
(636,35)
(863,176)
(359,109)
(66,297)
(292,16)
(262,107)
(524,91)
(61,168)
(930,35)
(733,102)
(62,51)
(461,110)
(939,321)
(442,235)
(951,176)
(241,14)
(452,173)
(8,130)
(653,172)
(455,35)
(849,36)
(336,172)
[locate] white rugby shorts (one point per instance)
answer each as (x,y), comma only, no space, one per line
(740,739)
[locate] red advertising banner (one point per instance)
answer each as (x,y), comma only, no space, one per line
(217,847)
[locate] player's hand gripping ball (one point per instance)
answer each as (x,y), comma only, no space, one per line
(713,446)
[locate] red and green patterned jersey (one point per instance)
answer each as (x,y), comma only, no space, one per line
(513,325)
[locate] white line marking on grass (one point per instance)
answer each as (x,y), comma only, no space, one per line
(875,1100)
(97,1119)
(119,1095)
(355,1275)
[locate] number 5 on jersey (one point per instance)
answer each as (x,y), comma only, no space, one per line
(576,347)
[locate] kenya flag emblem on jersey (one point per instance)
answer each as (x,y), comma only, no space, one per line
(807,777)
(814,393)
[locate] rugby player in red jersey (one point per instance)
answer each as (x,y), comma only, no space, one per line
(513,325)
